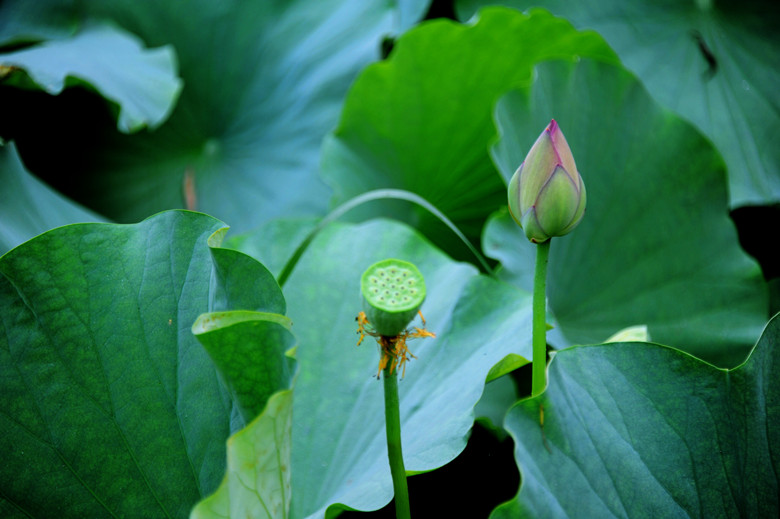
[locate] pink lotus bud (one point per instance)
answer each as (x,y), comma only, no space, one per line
(546,193)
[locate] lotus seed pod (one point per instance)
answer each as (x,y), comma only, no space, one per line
(546,193)
(393,291)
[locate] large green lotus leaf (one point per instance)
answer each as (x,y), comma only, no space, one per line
(715,63)
(421,121)
(110,405)
(28,206)
(656,245)
(142,83)
(642,430)
(264,82)
(257,482)
(339,454)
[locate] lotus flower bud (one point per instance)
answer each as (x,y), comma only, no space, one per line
(546,193)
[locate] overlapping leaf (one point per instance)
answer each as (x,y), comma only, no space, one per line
(421,121)
(715,63)
(656,246)
(339,455)
(257,481)
(642,430)
(249,349)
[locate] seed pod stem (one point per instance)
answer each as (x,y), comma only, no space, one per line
(394,451)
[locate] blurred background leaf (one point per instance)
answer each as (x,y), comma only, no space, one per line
(716,63)
(263,83)
(421,121)
(28,206)
(141,84)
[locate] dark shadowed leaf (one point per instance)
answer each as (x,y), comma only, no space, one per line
(143,84)
(264,82)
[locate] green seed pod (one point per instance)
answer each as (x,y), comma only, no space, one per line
(393,291)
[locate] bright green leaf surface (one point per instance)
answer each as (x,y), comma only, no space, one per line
(339,453)
(736,103)
(248,349)
(656,245)
(257,483)
(28,206)
(110,405)
(264,82)
(421,121)
(641,430)
(242,282)
(143,83)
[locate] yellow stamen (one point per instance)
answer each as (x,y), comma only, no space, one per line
(393,350)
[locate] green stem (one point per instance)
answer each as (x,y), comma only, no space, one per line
(393,427)
(539,381)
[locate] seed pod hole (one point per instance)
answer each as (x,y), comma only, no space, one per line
(393,291)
